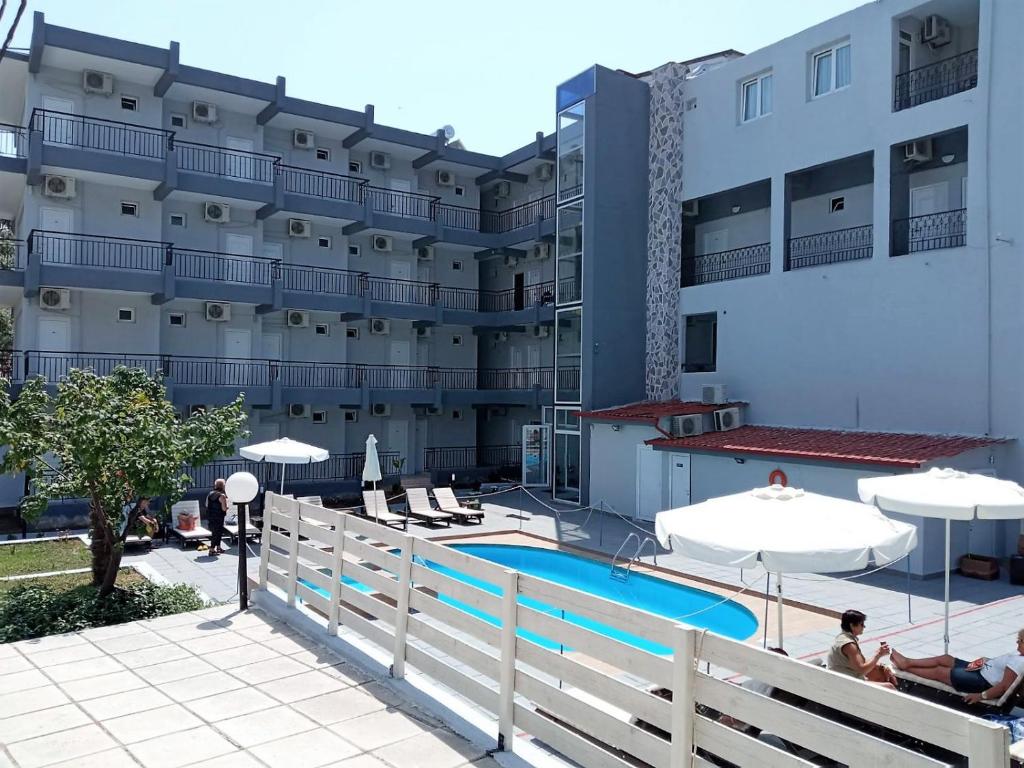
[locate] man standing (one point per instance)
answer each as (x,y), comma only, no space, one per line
(216,510)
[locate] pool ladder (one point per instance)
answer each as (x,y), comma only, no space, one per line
(621,572)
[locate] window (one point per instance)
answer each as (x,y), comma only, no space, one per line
(351,416)
(178,220)
(354,250)
(351,333)
(460,191)
(457,340)
(176,318)
(322,329)
(757,97)
(319,417)
(456,265)
(322,153)
(129,208)
(836,204)
(701,343)
(179,121)
(323,242)
(126,315)
(130,103)
(354,166)
(456,415)
(831,70)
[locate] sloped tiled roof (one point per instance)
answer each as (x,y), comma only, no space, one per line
(650,411)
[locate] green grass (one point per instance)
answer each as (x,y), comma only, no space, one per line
(126,578)
(42,557)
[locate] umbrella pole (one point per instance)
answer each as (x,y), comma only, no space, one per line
(778,589)
(282,479)
(945,630)
(376,515)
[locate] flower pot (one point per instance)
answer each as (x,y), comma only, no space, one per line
(186,522)
(979,567)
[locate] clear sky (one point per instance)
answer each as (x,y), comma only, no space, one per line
(487,68)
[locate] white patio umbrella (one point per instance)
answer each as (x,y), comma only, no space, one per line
(949,495)
(284,451)
(787,531)
(371,471)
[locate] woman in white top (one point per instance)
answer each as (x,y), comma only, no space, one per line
(981,679)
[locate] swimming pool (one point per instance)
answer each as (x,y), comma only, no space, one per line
(650,593)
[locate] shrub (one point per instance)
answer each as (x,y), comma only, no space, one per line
(36,609)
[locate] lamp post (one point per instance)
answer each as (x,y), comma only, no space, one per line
(241,489)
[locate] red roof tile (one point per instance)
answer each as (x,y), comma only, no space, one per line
(650,411)
(882,448)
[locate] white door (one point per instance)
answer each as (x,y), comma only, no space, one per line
(533,362)
(648,482)
(401,204)
(54,336)
(239,163)
(515,364)
(59,126)
(272,346)
(55,249)
(398,442)
(717,241)
(679,480)
(933,198)
(273,251)
(237,345)
(238,270)
(401,355)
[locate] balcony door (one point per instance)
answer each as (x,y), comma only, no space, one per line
(54,335)
(401,355)
(929,199)
(237,346)
(238,270)
(59,128)
(238,162)
(519,291)
(398,441)
(55,249)
(717,241)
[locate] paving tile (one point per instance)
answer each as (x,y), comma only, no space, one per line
(32,724)
(271,669)
(156,654)
(222,706)
(267,725)
(117,704)
(436,749)
(49,643)
(349,674)
(177,749)
(132,642)
(305,750)
(103,685)
(339,705)
(103,665)
(302,686)
(22,681)
(175,669)
(201,686)
(11,664)
(72,653)
(32,700)
(380,728)
(7,650)
(129,729)
(269,631)
(316,657)
(245,654)
(216,644)
(235,760)
(113,758)
(73,744)
(114,630)
(359,761)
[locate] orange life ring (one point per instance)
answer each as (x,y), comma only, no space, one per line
(778,477)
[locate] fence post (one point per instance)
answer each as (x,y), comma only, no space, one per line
(683,659)
(989,744)
(268,506)
(507,660)
(336,568)
(293,554)
(402,616)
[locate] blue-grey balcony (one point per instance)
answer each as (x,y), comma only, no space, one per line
(13,148)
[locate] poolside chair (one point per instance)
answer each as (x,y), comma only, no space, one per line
(376,508)
(251,531)
(311,500)
(419,507)
(447,502)
(197,534)
(1004,703)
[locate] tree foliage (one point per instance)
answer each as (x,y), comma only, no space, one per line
(112,440)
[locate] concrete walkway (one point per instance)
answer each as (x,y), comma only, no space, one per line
(214,688)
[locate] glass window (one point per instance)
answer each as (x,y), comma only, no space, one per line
(571,124)
(567,419)
(750,100)
(842,66)
(567,466)
(569,255)
(822,73)
(766,95)
(832,69)
(757,97)
(568,355)
(700,351)
(575,89)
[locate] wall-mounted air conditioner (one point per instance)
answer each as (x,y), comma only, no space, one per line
(303,139)
(540,251)
(380,409)
(713,394)
(727,419)
(204,112)
(218,311)
(691,208)
(936,31)
(425,253)
(511,261)
(298,319)
(55,298)
(217,213)
(383,243)
(299,410)
(502,190)
(97,82)
(62,187)
(379,326)
(424,331)
(687,426)
(300,228)
(545,172)
(919,151)
(380,160)
(445,179)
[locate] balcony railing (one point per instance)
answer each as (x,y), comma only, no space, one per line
(936,81)
(930,232)
(516,218)
(337,466)
(397,203)
(228,163)
(13,141)
(829,247)
(306,279)
(213,266)
(95,133)
(472,457)
(726,265)
(100,251)
(12,254)
(399,291)
(570,289)
(515,378)
(322,184)
(568,380)
(458,217)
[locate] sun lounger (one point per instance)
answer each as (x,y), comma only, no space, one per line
(251,531)
(447,502)
(311,500)
(1004,703)
(197,534)
(376,508)
(419,507)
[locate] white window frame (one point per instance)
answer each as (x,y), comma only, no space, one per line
(183,217)
(355,166)
(832,201)
(457,414)
(457,340)
(179,116)
(351,416)
(317,329)
(323,154)
(351,333)
(756,82)
(460,191)
(457,265)
(132,100)
(324,241)
(130,312)
(131,204)
(354,249)
(172,315)
(832,50)
(318,417)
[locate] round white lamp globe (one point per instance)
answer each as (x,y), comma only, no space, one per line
(242,487)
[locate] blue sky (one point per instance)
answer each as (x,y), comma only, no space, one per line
(487,68)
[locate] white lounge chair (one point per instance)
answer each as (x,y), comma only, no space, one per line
(251,531)
(311,500)
(419,507)
(447,502)
(376,508)
(1004,702)
(197,534)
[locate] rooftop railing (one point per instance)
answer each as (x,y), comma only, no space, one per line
(96,133)
(726,265)
(936,81)
(829,247)
(929,232)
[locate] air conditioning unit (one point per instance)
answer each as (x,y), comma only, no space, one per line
(97,82)
(541,331)
(425,253)
(298,319)
(299,411)
(687,426)
(380,160)
(713,394)
(204,112)
(300,228)
(540,251)
(728,418)
(55,298)
(424,331)
(936,31)
(380,409)
(217,213)
(383,243)
(218,311)
(59,186)
(545,172)
(303,139)
(445,179)
(511,261)
(918,151)
(380,327)
(433,410)
(502,190)
(691,208)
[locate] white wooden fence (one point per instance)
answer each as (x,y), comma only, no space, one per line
(578,702)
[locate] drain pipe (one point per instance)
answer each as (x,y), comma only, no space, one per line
(985,76)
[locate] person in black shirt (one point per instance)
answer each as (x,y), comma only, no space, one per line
(216,510)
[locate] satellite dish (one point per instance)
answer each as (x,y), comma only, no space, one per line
(449,133)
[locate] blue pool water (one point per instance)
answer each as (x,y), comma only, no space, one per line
(659,596)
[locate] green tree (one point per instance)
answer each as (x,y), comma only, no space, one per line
(112,440)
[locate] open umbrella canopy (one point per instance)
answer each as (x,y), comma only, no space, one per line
(284,451)
(787,530)
(946,494)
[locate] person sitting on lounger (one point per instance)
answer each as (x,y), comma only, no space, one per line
(846,657)
(981,679)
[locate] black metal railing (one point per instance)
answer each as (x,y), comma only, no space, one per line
(936,81)
(514,378)
(204,476)
(402,291)
(511,300)
(521,216)
(337,466)
(930,232)
(11,361)
(568,379)
(458,216)
(66,129)
(13,141)
(319,375)
(397,203)
(194,264)
(726,265)
(472,457)
(229,163)
(570,289)
(12,254)
(55,366)
(829,247)
(306,279)
(100,251)
(321,184)
(569,192)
